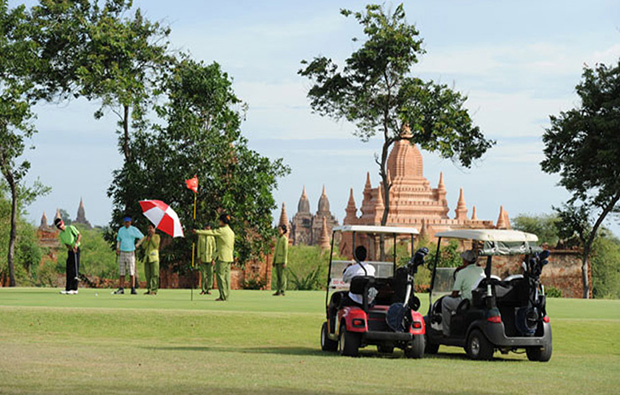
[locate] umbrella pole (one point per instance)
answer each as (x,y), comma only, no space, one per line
(193,254)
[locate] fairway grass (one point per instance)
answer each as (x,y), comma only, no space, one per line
(96,342)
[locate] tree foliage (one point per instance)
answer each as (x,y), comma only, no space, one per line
(375,91)
(582,145)
(544,226)
(16,128)
(201,136)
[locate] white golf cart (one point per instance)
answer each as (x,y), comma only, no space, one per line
(504,314)
(387,316)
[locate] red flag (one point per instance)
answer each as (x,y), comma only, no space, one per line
(192,184)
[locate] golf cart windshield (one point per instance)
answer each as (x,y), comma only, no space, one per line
(382,270)
(444,280)
(368,236)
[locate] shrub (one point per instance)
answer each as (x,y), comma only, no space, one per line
(553,292)
(307,267)
(254,282)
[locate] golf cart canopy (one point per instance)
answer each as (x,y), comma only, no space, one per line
(497,241)
(376,229)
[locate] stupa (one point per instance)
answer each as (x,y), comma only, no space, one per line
(413,202)
(307,228)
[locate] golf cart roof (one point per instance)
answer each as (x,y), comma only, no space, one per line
(376,229)
(497,241)
(497,235)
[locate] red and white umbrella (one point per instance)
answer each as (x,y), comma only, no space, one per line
(162,216)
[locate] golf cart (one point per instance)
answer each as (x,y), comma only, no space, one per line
(387,316)
(504,314)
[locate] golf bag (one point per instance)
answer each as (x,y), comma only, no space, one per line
(398,315)
(528,316)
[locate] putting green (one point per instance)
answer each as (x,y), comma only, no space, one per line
(96,342)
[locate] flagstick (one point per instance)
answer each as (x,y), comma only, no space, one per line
(193,251)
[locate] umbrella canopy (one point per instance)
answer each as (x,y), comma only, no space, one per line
(162,216)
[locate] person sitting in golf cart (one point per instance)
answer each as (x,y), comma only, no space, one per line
(467,278)
(359,268)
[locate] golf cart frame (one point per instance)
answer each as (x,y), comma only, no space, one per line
(505,315)
(349,328)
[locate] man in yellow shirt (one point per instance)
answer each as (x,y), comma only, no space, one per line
(225,246)
(206,259)
(280,258)
(150,243)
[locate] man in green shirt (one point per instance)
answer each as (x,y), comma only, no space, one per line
(70,237)
(206,260)
(150,243)
(467,278)
(225,246)
(280,258)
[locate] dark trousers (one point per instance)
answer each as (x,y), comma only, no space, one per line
(73,268)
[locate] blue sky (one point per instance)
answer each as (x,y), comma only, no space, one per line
(518,62)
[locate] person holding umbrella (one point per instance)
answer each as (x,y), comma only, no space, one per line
(225,246)
(125,249)
(206,258)
(150,243)
(70,237)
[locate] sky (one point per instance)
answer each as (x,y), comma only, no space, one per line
(517,62)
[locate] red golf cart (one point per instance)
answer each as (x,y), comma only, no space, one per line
(387,316)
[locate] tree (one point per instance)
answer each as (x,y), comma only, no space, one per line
(582,145)
(202,137)
(98,52)
(375,91)
(16,91)
(544,226)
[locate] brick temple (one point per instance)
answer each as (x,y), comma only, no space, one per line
(413,201)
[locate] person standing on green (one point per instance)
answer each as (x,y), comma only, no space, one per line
(225,246)
(206,260)
(150,243)
(70,237)
(280,258)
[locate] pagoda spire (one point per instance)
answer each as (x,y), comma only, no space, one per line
(43,221)
(461,209)
(351,210)
(304,204)
(284,219)
(441,188)
(324,237)
(474,217)
(501,220)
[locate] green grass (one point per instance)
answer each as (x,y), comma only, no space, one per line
(96,342)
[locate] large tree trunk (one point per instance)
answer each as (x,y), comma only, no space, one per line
(587,248)
(13,232)
(125,121)
(386,192)
(584,273)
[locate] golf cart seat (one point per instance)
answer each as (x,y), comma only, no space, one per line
(463,306)
(513,277)
(360,284)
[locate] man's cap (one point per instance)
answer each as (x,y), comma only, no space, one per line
(127,219)
(469,256)
(57,221)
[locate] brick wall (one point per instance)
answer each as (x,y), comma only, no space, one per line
(563,271)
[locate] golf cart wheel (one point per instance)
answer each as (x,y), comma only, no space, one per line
(385,349)
(349,342)
(478,347)
(430,347)
(327,344)
(540,354)
(415,349)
